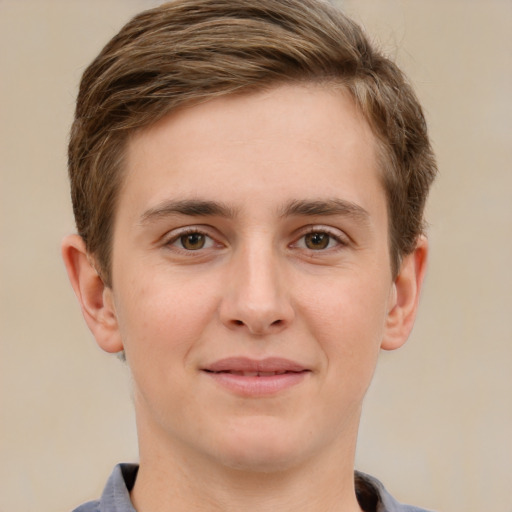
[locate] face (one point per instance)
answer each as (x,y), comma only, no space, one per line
(251,276)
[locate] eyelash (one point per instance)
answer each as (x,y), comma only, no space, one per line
(175,238)
(340,240)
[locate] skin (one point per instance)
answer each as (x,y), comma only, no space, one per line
(250,226)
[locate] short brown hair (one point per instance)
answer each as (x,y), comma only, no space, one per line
(189,51)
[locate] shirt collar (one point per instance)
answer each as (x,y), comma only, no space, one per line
(116,495)
(371,494)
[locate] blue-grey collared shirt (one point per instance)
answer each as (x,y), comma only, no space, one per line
(116,497)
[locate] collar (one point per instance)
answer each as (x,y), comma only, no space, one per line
(371,494)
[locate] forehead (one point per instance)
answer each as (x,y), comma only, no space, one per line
(308,137)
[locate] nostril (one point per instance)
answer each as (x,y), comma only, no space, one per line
(257,324)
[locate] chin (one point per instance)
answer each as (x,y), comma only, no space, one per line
(262,449)
(258,461)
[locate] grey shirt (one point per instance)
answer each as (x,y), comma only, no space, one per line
(370,492)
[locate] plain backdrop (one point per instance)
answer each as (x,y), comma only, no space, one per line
(437,422)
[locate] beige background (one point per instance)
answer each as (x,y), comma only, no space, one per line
(438,421)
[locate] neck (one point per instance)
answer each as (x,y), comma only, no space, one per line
(173,478)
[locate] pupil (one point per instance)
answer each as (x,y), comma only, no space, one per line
(193,241)
(317,240)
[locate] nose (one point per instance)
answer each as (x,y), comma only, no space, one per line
(257,296)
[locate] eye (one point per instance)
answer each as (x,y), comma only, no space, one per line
(320,240)
(192,241)
(316,241)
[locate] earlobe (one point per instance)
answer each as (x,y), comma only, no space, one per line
(404,297)
(95,298)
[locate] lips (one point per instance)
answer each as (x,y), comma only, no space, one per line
(255,368)
(256,378)
(253,374)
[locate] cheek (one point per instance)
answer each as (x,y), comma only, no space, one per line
(160,317)
(348,320)
(161,324)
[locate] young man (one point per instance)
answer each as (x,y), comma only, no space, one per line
(248,181)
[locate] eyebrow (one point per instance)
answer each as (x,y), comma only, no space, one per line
(192,207)
(203,208)
(325,208)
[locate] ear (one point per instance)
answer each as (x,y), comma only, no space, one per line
(95,298)
(404,297)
